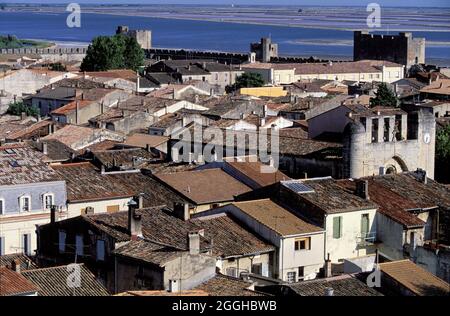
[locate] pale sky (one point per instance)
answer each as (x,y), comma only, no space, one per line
(391,3)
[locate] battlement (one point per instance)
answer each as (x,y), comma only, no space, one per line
(45,51)
(401,48)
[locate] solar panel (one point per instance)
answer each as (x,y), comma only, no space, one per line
(298,187)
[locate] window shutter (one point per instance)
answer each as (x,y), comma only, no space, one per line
(265,270)
(337,227)
(2,246)
(29,244)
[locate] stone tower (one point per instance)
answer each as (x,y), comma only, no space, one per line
(402,48)
(143,37)
(389,143)
(264,50)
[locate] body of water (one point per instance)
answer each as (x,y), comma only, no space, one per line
(203,35)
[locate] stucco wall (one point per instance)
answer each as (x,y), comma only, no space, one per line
(347,245)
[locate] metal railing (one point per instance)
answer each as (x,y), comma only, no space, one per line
(367,238)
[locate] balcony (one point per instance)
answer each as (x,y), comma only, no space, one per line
(366,239)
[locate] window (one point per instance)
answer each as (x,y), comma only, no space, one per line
(303,243)
(48,201)
(62,241)
(364,224)
(25,204)
(100,250)
(337,227)
(26,244)
(2,206)
(2,246)
(257,268)
(233,272)
(387,127)
(301,272)
(375,130)
(291,277)
(79,245)
(112,208)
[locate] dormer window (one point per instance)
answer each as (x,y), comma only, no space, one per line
(25,204)
(48,200)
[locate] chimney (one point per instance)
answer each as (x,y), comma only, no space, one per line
(44,148)
(53,214)
(134,221)
(140,199)
(194,243)
(362,189)
(329,291)
(181,210)
(15,265)
(327,269)
(262,121)
(422,175)
(211,92)
(23,115)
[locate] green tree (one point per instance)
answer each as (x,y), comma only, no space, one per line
(246,80)
(113,52)
(384,97)
(443,154)
(17,108)
(58,67)
(133,54)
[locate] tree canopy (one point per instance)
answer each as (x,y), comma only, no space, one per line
(113,52)
(384,97)
(443,154)
(246,80)
(17,108)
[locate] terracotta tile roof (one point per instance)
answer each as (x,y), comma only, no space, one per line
(142,140)
(126,74)
(164,293)
(103,145)
(26,263)
(363,66)
(77,137)
(84,182)
(56,151)
(71,107)
(204,186)
(331,198)
(123,159)
(13,283)
(53,282)
(148,252)
(158,226)
(345,285)
(39,129)
(441,86)
(230,238)
(21,164)
(8,130)
(415,278)
(97,186)
(222,285)
(78,83)
(276,217)
(390,203)
(253,170)
(409,186)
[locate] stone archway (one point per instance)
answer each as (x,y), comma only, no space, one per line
(394,165)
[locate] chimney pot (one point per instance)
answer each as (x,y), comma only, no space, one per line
(329,291)
(44,148)
(134,221)
(15,265)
